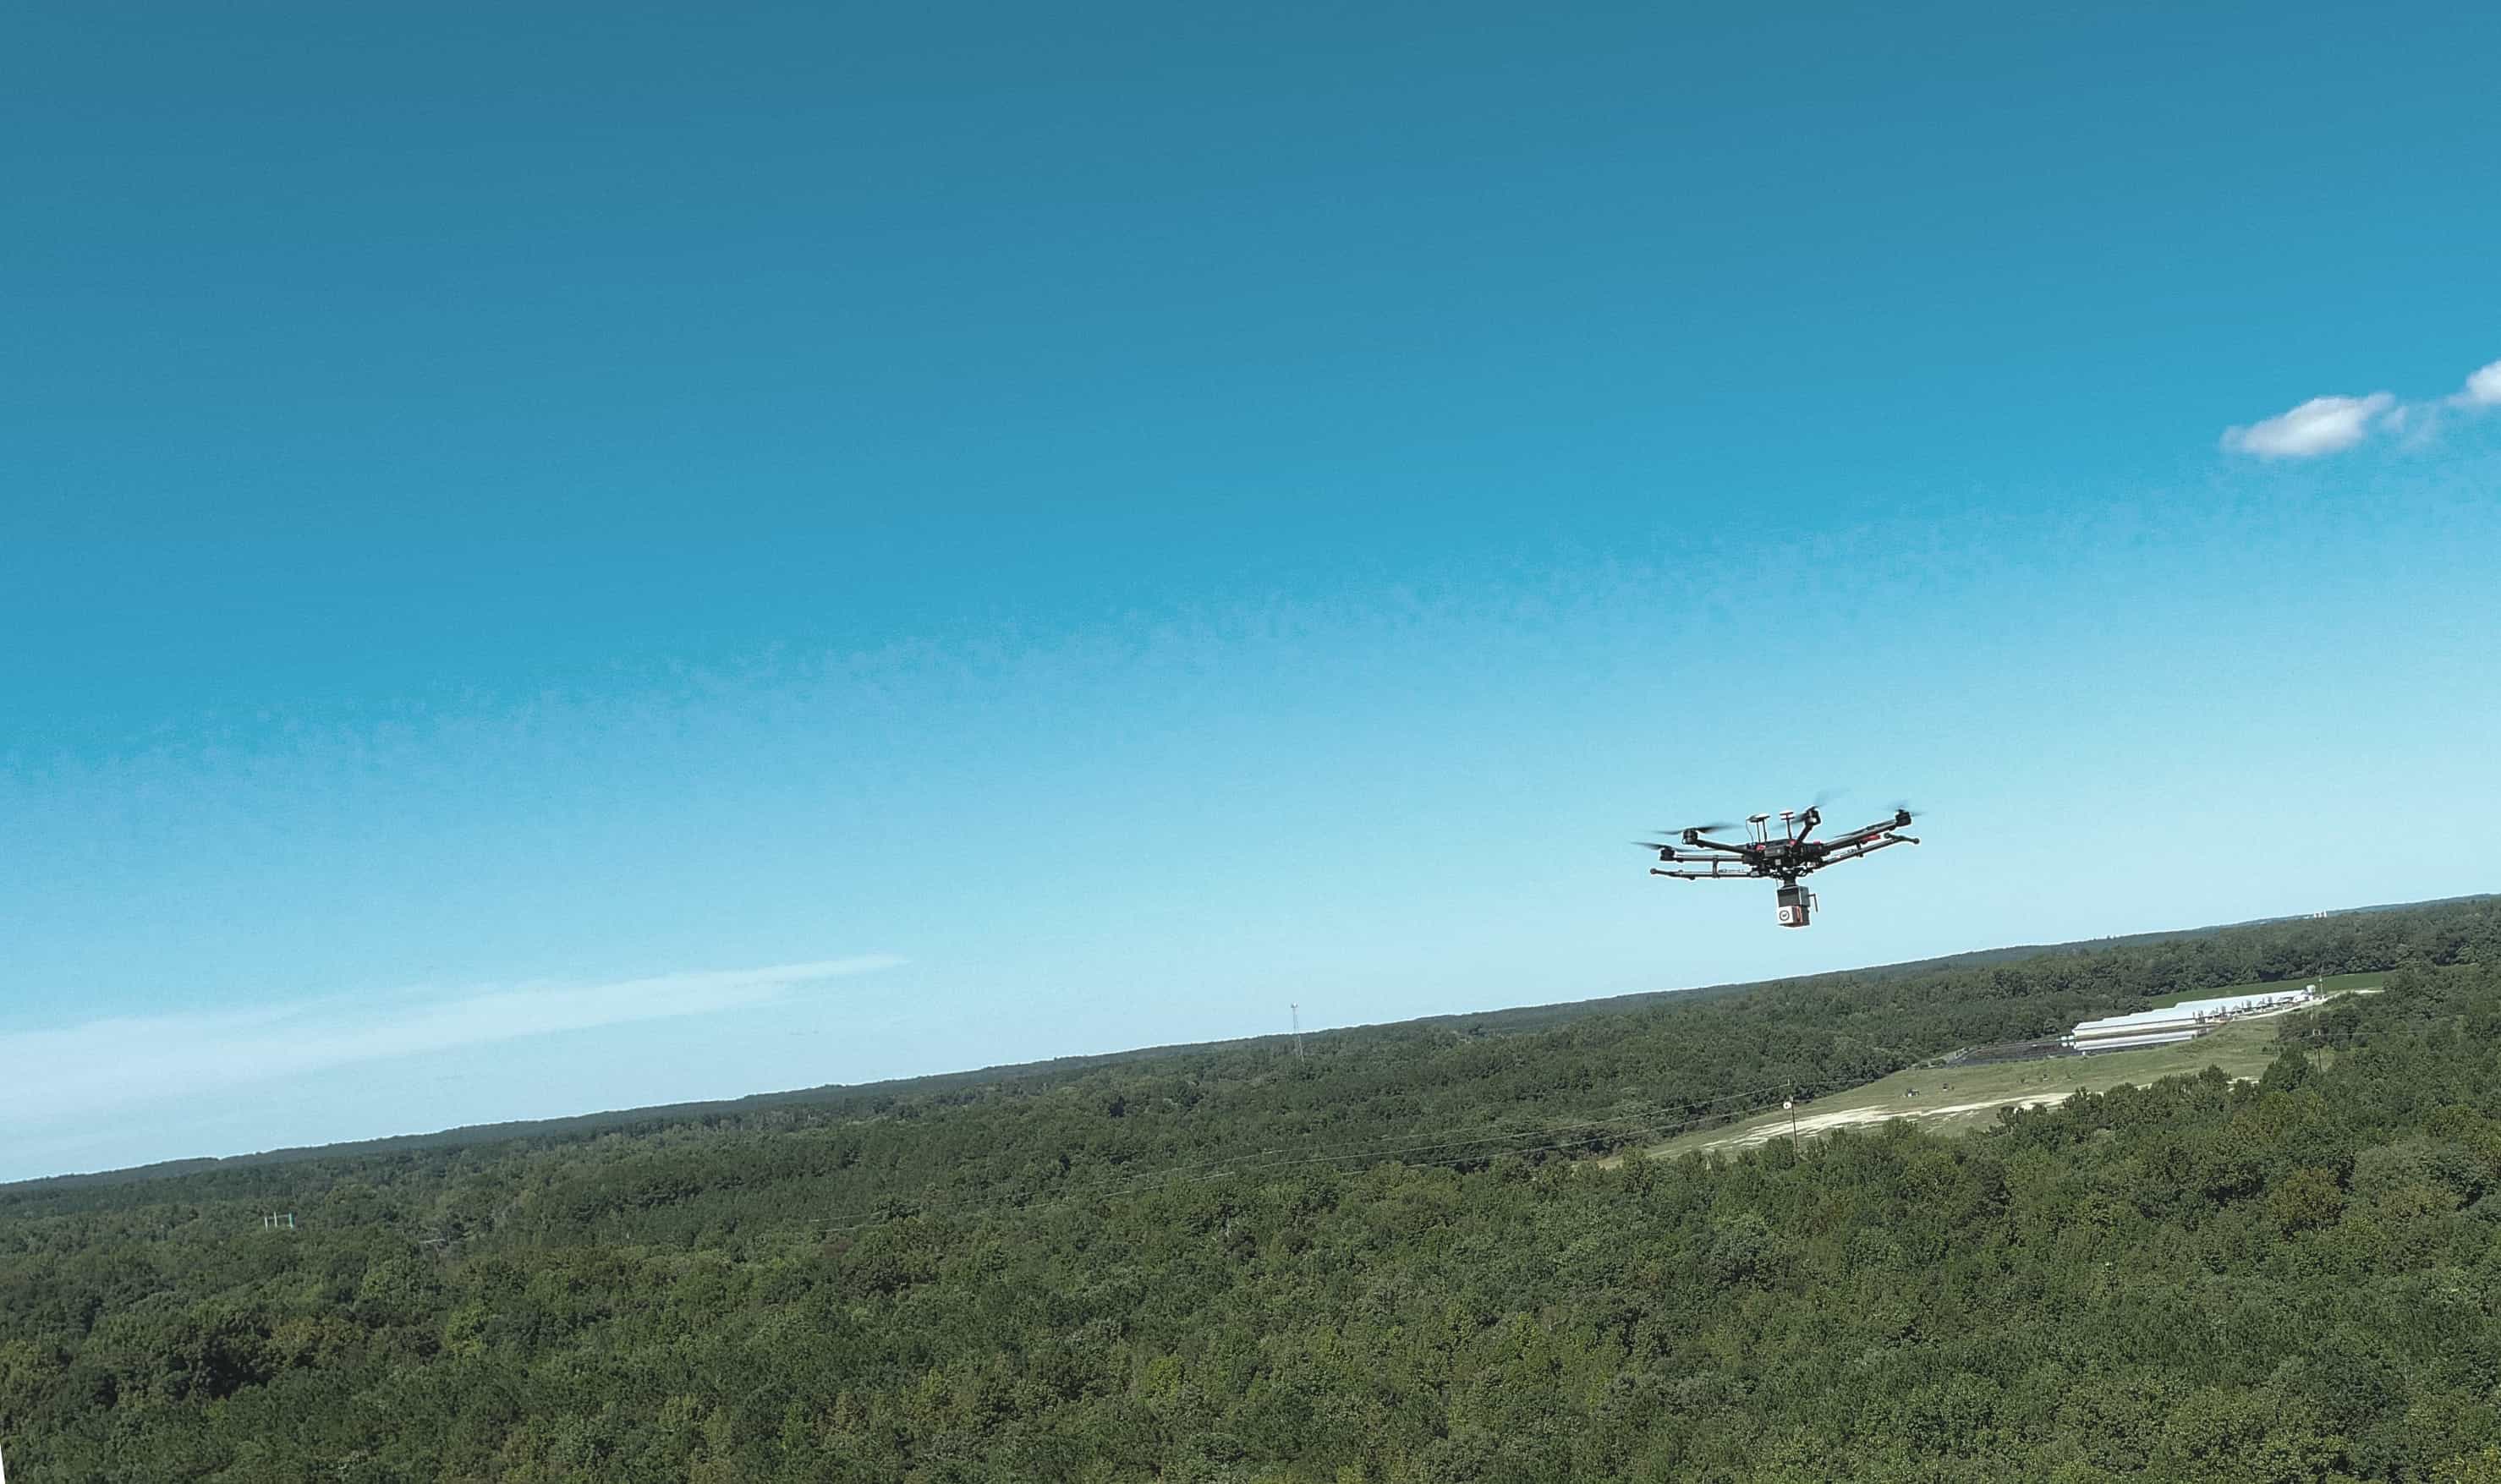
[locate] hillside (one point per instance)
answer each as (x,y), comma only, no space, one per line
(1952,1098)
(2185,977)
(1391,1260)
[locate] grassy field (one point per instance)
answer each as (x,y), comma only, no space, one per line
(2326,986)
(1959,1099)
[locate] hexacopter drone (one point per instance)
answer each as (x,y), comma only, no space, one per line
(1783,855)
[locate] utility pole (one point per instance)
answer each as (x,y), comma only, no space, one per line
(1788,1104)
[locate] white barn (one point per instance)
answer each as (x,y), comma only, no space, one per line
(2179,1022)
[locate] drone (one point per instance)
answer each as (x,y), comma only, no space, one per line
(1781,852)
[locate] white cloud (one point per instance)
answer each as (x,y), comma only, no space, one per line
(2483,388)
(2331,424)
(2319,425)
(47,1077)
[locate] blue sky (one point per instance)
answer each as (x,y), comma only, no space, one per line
(601,558)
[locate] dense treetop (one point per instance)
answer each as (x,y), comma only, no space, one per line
(1386,1261)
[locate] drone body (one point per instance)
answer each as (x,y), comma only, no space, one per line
(1783,854)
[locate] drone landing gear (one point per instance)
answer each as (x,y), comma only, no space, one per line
(1797,905)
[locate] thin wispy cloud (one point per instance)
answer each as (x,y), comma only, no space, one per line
(2325,425)
(2319,425)
(47,1075)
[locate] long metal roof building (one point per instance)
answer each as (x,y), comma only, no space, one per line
(2179,1022)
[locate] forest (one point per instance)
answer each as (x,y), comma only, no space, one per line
(1410,1254)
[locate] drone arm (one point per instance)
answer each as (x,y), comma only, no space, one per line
(1870,832)
(1701,843)
(1863,846)
(1696,854)
(1715,873)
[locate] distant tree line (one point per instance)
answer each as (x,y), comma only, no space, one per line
(1387,1261)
